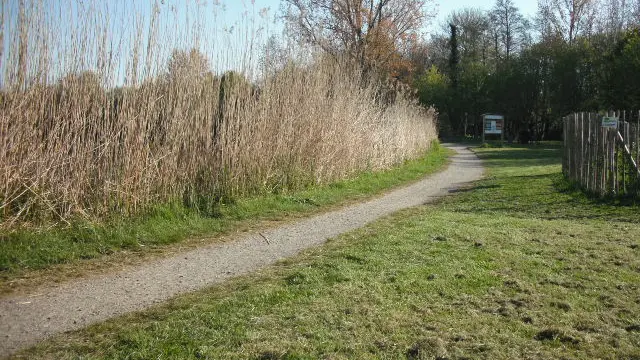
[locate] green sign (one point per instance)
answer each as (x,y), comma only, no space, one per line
(610,122)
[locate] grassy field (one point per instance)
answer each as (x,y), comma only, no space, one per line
(29,257)
(517,266)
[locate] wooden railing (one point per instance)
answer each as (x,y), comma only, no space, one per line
(603,160)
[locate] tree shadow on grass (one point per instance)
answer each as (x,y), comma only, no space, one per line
(573,189)
(522,158)
(473,188)
(558,214)
(541,196)
(522,193)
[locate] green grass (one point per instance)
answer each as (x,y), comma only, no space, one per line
(26,250)
(516,266)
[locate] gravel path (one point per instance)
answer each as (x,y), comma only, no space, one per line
(27,319)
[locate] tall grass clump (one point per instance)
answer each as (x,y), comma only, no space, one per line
(108,111)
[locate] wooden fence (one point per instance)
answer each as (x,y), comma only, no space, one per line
(603,161)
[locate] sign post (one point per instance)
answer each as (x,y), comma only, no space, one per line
(493,124)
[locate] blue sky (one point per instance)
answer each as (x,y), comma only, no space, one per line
(223,24)
(445,7)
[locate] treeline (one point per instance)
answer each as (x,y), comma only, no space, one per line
(576,55)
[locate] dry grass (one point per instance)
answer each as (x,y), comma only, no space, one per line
(74,142)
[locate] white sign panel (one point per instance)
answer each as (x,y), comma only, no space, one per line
(610,122)
(493,126)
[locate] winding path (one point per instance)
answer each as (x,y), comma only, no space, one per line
(28,319)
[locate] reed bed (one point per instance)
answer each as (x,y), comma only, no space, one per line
(78,141)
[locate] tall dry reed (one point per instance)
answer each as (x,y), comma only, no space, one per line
(74,142)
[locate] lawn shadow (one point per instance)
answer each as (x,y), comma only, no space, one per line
(514,156)
(541,196)
(523,154)
(563,185)
(473,188)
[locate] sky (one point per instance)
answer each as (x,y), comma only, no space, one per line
(222,23)
(444,7)
(229,33)
(527,7)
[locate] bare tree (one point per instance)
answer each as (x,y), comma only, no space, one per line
(509,25)
(472,31)
(357,28)
(275,55)
(616,15)
(566,18)
(634,7)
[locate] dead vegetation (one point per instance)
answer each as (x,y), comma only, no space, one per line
(81,137)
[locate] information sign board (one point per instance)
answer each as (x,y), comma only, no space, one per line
(493,126)
(610,122)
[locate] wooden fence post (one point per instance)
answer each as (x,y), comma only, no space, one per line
(627,144)
(588,182)
(564,146)
(601,160)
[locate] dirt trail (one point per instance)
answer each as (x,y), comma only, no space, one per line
(27,319)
